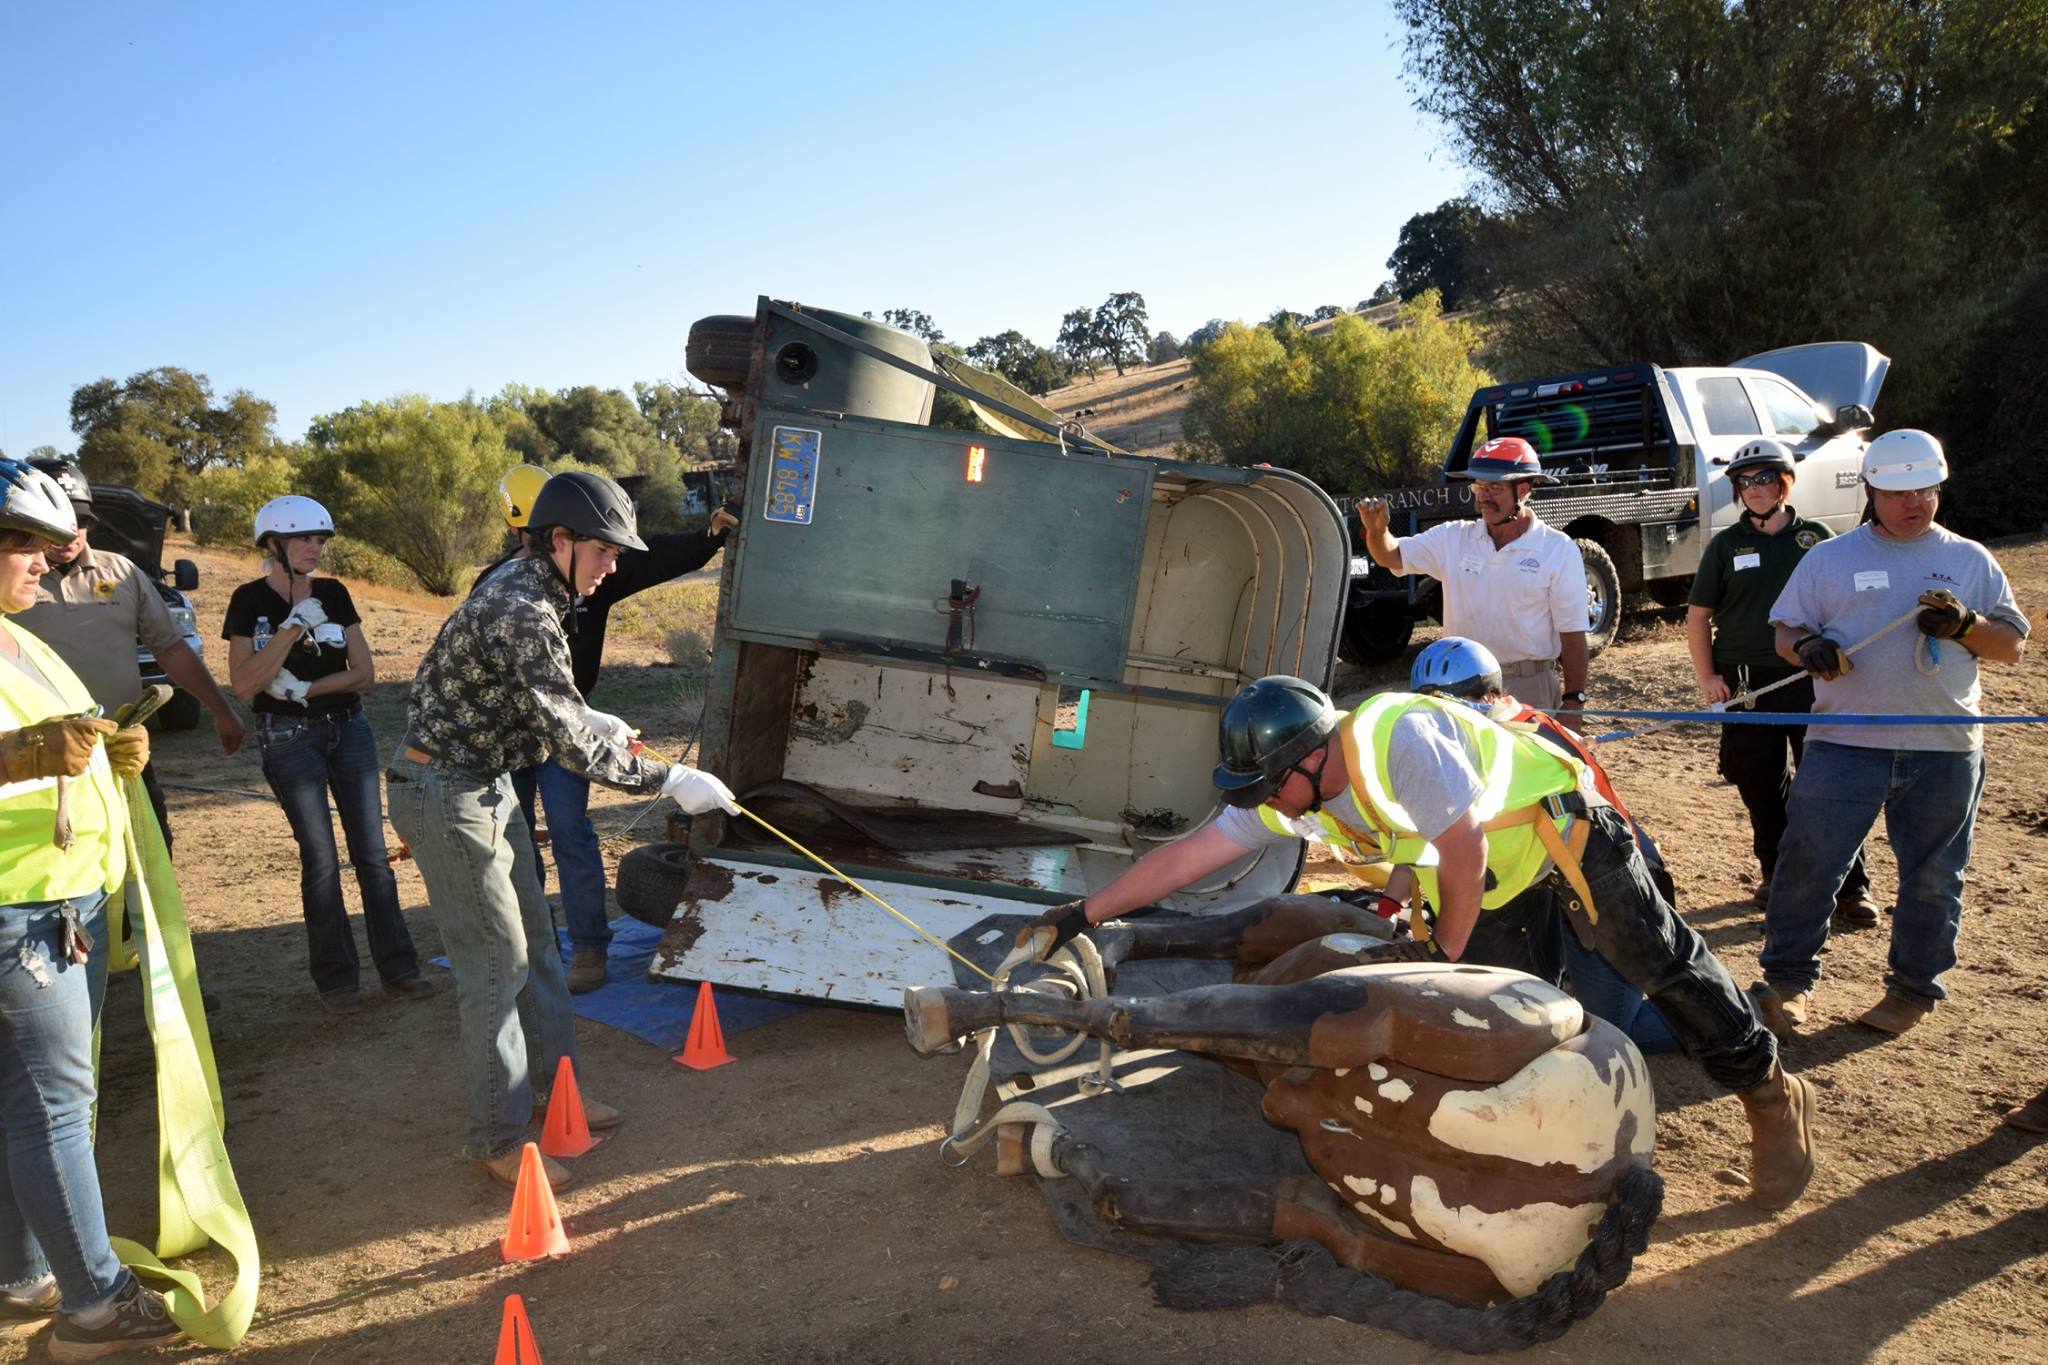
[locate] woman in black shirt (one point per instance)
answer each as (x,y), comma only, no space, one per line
(296,652)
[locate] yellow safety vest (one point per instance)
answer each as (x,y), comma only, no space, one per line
(32,866)
(1519,769)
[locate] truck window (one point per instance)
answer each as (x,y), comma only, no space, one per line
(1791,415)
(1727,408)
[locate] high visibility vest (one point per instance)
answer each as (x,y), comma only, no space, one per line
(32,866)
(1517,768)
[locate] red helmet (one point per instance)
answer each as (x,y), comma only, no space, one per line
(1503,460)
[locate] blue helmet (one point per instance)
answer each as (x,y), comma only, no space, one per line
(1456,667)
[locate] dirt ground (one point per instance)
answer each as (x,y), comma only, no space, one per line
(792,1207)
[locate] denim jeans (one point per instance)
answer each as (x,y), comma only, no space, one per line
(515,1021)
(1607,994)
(579,862)
(1929,799)
(304,758)
(1760,761)
(51,1217)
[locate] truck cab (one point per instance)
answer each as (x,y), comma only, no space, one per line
(977,673)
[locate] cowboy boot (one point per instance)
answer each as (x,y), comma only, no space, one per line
(1781,1113)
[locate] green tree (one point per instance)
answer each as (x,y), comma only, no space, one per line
(1165,347)
(1202,336)
(1353,406)
(684,418)
(1077,342)
(1123,334)
(918,324)
(1020,360)
(1439,250)
(415,479)
(159,428)
(1325,311)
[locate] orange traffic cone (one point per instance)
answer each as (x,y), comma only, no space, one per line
(565,1131)
(705,1047)
(536,1226)
(516,1345)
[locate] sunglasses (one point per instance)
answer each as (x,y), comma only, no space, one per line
(1762,480)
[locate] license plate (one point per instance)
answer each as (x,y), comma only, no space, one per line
(793,474)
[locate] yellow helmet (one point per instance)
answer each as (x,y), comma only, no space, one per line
(516,492)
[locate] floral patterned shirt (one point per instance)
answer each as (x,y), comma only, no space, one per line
(495,691)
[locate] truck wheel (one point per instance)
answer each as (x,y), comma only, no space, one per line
(720,350)
(1670,592)
(1376,633)
(651,881)
(1603,596)
(181,712)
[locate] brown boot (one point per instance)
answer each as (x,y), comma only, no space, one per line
(1855,910)
(1781,1112)
(2031,1117)
(1896,1013)
(1784,1015)
(504,1168)
(586,970)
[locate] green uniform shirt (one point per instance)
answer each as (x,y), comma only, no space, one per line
(1740,576)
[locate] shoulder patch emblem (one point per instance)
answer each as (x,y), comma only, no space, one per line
(1806,540)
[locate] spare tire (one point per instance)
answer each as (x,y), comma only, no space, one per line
(651,881)
(720,350)
(1603,596)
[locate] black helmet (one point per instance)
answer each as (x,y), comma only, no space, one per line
(1269,726)
(587,505)
(72,480)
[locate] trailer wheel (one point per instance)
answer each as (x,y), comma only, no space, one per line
(1603,596)
(720,350)
(1670,592)
(1376,633)
(651,881)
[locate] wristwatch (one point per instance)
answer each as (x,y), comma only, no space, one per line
(1579,697)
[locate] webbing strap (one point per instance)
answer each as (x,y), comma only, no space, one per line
(198,1200)
(1564,851)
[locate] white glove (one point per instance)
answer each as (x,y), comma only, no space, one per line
(286,688)
(609,728)
(330,635)
(309,614)
(698,792)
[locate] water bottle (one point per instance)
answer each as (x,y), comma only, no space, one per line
(262,635)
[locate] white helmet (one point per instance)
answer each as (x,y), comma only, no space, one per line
(1904,459)
(292,515)
(32,501)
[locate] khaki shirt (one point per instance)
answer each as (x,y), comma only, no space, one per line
(92,614)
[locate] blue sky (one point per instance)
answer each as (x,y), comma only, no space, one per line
(327,204)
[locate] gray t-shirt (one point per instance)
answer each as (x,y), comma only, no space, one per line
(1856,584)
(1435,776)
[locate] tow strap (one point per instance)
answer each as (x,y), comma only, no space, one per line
(198,1201)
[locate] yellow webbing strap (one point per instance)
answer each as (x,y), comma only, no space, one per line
(198,1201)
(1563,852)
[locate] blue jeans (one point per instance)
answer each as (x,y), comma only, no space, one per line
(1929,800)
(304,758)
(579,862)
(1606,994)
(515,1021)
(51,1217)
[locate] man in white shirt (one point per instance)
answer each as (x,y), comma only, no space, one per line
(1510,582)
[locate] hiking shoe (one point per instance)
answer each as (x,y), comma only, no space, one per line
(1760,899)
(134,1320)
(1781,1111)
(414,987)
(29,1307)
(586,970)
(504,1168)
(1896,1013)
(2031,1117)
(1784,1015)
(342,1002)
(1855,910)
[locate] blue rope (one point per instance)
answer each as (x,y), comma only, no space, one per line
(1790,718)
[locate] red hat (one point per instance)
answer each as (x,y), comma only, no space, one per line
(1503,460)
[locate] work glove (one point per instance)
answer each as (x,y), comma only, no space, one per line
(128,751)
(61,747)
(329,636)
(609,728)
(723,520)
(285,687)
(309,615)
(1943,616)
(1822,657)
(1055,928)
(697,792)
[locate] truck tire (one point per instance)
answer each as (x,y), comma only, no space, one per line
(1376,633)
(651,881)
(1603,596)
(1669,592)
(720,350)
(181,712)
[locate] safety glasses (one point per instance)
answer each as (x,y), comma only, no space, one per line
(1762,479)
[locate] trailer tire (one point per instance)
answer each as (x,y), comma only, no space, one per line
(1670,592)
(651,881)
(720,350)
(1376,633)
(1603,596)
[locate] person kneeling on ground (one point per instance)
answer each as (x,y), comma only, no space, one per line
(495,693)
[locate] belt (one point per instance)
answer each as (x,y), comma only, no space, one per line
(1522,668)
(348,712)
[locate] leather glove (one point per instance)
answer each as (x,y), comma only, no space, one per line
(61,747)
(723,520)
(1822,657)
(285,687)
(128,751)
(1407,950)
(1064,921)
(329,636)
(308,614)
(1944,616)
(609,728)
(697,792)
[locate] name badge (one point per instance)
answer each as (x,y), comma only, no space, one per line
(1873,580)
(1749,561)
(1472,564)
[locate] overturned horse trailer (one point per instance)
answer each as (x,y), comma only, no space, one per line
(977,673)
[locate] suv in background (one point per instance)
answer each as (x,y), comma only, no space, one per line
(132,525)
